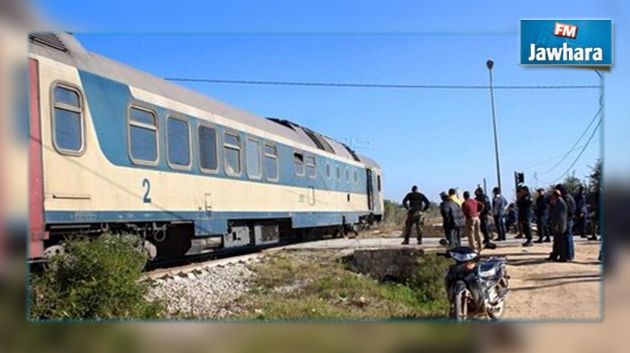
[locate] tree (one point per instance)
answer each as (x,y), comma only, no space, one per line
(594,190)
(572,184)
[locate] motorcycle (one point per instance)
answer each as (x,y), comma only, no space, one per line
(476,287)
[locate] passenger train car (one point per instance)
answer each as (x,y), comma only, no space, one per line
(115,149)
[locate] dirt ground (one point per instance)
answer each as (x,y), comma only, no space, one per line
(541,289)
(544,290)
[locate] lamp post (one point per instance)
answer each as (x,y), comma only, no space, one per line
(490,65)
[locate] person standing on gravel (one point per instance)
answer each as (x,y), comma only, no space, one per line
(484,216)
(416,203)
(524,203)
(452,194)
(568,199)
(558,227)
(498,211)
(541,209)
(471,209)
(580,212)
(445,220)
(453,219)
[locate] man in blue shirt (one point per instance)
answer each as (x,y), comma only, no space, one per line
(498,212)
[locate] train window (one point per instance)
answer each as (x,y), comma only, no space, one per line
(338,173)
(347,175)
(67,120)
(378,182)
(178,143)
(356,177)
(143,132)
(208,151)
(252,158)
(298,163)
(328,172)
(311,166)
(232,153)
(271,162)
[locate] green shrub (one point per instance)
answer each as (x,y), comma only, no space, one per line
(94,279)
(428,280)
(394,213)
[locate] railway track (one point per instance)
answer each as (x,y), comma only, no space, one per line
(198,267)
(189,264)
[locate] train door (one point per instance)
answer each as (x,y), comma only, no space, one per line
(370,189)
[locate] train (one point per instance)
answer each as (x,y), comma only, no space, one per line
(115,149)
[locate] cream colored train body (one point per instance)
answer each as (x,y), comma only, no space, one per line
(115,149)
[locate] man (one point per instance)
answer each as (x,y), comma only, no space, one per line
(540,211)
(484,200)
(580,212)
(524,204)
(471,209)
(452,194)
(498,211)
(511,219)
(570,202)
(558,227)
(416,203)
(444,209)
(453,219)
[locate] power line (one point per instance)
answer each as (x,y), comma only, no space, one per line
(588,142)
(576,142)
(375,85)
(543,162)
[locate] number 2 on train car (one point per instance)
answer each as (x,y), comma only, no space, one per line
(146,184)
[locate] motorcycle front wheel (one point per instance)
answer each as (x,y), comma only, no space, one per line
(460,302)
(498,311)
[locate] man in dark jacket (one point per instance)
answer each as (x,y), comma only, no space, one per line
(484,216)
(444,208)
(524,204)
(453,220)
(499,203)
(568,199)
(540,211)
(511,219)
(580,212)
(416,203)
(558,227)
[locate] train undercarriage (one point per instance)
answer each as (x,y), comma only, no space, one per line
(176,239)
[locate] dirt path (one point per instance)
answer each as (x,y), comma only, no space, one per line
(544,290)
(541,290)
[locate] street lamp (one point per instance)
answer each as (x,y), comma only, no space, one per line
(490,65)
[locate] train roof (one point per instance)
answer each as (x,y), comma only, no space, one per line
(65,48)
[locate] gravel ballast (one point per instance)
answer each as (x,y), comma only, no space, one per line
(206,293)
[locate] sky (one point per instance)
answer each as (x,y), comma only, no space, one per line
(436,139)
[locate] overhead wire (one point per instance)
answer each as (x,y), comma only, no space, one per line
(575,144)
(374,85)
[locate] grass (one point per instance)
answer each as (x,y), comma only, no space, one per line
(316,286)
(395,216)
(95,279)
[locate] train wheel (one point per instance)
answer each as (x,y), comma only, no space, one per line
(149,250)
(54,250)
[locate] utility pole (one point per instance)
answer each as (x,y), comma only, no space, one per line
(490,65)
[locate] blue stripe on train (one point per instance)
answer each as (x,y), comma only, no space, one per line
(205,223)
(108,101)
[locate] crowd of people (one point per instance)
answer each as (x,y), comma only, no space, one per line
(556,213)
